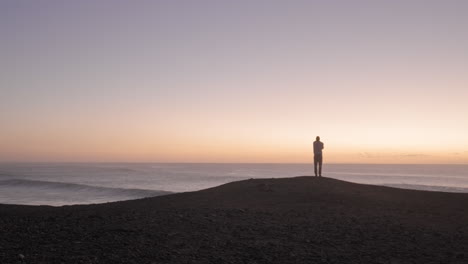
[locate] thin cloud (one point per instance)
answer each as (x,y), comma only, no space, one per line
(413,155)
(376,155)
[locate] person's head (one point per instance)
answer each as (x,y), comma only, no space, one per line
(317,138)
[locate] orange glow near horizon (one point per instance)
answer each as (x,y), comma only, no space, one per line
(254,133)
(223,145)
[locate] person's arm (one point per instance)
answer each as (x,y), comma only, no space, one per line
(323,146)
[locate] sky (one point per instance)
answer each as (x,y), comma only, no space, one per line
(234,81)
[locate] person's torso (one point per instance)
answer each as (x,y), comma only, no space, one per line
(318,146)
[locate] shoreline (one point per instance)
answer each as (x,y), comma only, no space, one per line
(157,193)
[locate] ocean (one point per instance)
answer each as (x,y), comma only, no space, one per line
(59,184)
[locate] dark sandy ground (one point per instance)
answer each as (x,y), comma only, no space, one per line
(289,220)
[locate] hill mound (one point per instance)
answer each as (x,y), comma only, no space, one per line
(305,191)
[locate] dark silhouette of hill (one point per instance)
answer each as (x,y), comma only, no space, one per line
(288,220)
(286,193)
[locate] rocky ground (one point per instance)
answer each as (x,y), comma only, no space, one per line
(289,220)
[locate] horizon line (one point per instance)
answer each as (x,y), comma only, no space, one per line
(157,162)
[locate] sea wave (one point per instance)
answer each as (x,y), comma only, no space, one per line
(428,187)
(78,188)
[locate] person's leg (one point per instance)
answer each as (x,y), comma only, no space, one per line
(320,161)
(315,165)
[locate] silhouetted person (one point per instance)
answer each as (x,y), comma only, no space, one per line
(318,159)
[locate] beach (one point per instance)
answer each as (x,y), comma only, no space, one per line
(285,220)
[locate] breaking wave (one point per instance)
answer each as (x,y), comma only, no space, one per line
(429,188)
(21,191)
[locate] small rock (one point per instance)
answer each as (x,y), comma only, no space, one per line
(21,256)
